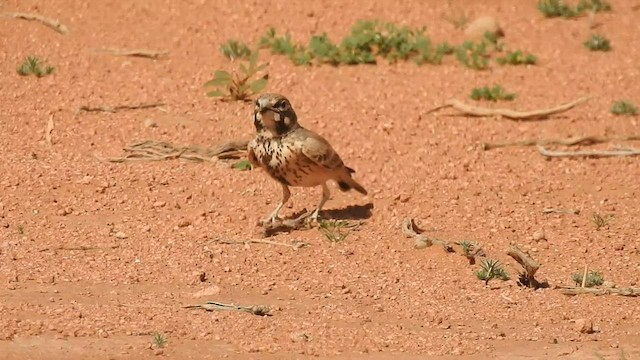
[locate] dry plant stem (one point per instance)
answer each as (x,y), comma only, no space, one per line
(79,248)
(214,305)
(584,276)
(151,150)
(633,292)
(143,53)
(410,229)
(472,110)
(560,211)
(48,131)
(588,153)
(52,23)
(294,246)
(530,266)
(118,108)
(571,141)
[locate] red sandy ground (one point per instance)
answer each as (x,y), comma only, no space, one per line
(370,296)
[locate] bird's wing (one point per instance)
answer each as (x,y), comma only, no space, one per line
(318,150)
(252,155)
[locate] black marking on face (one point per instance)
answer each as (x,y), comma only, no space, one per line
(257,123)
(281,127)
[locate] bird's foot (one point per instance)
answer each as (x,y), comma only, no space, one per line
(313,217)
(270,220)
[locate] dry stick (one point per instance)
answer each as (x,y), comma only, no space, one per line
(588,153)
(118,108)
(143,53)
(52,23)
(584,275)
(295,246)
(560,211)
(261,310)
(151,150)
(633,292)
(49,130)
(410,229)
(472,110)
(80,248)
(575,140)
(530,266)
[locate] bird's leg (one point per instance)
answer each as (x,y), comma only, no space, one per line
(326,194)
(286,194)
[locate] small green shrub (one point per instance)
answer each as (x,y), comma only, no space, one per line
(517,58)
(623,107)
(33,66)
(491,269)
(233,49)
(594,278)
(597,43)
(243,165)
(473,55)
(556,8)
(495,93)
(239,87)
(159,340)
(593,5)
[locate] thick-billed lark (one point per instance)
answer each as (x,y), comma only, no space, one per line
(293,155)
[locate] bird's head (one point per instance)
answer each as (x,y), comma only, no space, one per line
(273,112)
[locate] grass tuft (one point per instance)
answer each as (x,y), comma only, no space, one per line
(598,43)
(594,278)
(233,49)
(336,230)
(624,107)
(496,93)
(491,269)
(517,57)
(33,66)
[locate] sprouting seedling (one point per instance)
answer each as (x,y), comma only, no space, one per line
(517,57)
(159,340)
(233,49)
(491,269)
(243,165)
(239,86)
(594,278)
(33,66)
(556,8)
(495,93)
(598,43)
(336,230)
(601,221)
(624,107)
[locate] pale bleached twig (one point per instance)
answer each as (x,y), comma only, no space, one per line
(52,23)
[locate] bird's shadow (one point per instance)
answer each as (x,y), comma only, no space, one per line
(351,212)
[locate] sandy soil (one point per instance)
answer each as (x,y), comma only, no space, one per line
(96,257)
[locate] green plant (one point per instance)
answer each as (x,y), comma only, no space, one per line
(159,340)
(491,94)
(491,269)
(593,5)
(243,165)
(598,43)
(233,49)
(473,55)
(20,229)
(33,66)
(517,58)
(594,278)
(556,8)
(601,221)
(336,230)
(239,87)
(623,107)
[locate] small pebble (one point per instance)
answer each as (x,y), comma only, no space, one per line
(120,235)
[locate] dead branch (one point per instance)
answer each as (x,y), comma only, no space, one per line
(52,23)
(472,110)
(143,53)
(571,141)
(49,130)
(151,150)
(79,248)
(632,292)
(260,310)
(588,153)
(410,229)
(560,211)
(295,245)
(114,109)
(530,266)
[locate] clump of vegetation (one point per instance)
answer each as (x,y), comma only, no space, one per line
(559,8)
(233,49)
(470,250)
(517,57)
(601,221)
(598,43)
(491,269)
(243,165)
(624,107)
(594,278)
(239,86)
(495,93)
(336,230)
(159,340)
(592,5)
(473,55)
(33,66)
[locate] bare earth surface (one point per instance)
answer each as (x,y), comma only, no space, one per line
(96,257)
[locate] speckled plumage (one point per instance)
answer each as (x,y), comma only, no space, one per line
(293,155)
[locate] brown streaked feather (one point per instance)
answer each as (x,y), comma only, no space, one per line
(318,150)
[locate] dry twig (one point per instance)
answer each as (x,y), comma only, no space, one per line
(79,248)
(571,141)
(113,109)
(589,153)
(530,266)
(260,310)
(295,245)
(472,110)
(560,211)
(410,229)
(143,53)
(632,292)
(151,150)
(49,130)
(52,23)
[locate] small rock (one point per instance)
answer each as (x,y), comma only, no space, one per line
(584,326)
(299,336)
(608,284)
(150,123)
(208,291)
(120,235)
(64,212)
(158,352)
(198,277)
(184,223)
(159,204)
(538,235)
(477,28)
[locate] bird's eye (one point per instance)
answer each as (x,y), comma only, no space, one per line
(282,105)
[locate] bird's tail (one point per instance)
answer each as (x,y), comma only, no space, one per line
(347,183)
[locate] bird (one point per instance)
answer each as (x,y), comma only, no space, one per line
(293,155)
